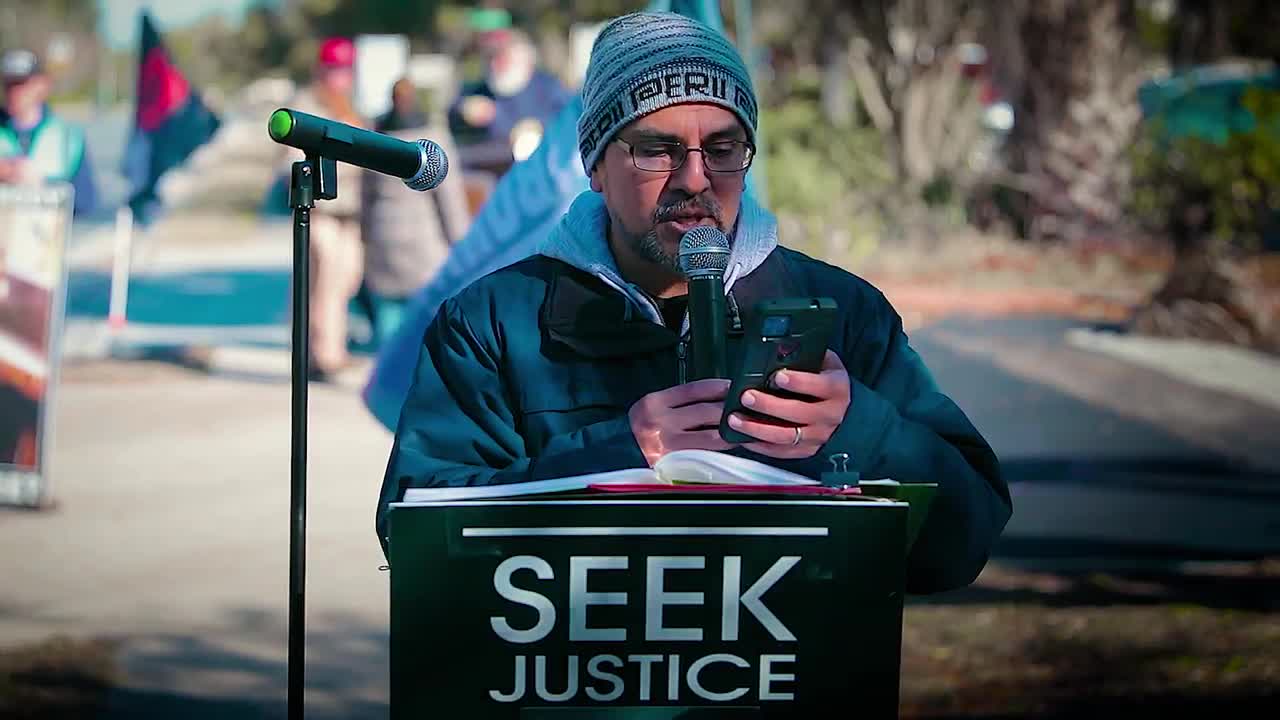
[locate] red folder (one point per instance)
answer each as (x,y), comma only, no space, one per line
(713,489)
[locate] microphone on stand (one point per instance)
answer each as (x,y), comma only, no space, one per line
(421,164)
(703,257)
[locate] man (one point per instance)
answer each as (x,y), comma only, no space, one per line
(406,111)
(515,100)
(569,362)
(37,146)
(337,255)
(407,235)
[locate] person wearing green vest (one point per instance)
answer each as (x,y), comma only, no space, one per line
(36,145)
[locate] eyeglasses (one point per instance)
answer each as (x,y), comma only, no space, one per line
(722,156)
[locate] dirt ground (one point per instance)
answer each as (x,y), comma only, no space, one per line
(1015,645)
(58,679)
(1051,646)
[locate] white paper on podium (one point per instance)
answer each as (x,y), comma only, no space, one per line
(682,466)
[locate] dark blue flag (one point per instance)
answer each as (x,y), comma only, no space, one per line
(170,122)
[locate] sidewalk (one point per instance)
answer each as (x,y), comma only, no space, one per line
(171,535)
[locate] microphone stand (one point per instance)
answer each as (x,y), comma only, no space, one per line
(312,179)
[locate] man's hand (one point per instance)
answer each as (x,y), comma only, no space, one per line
(817,419)
(8,170)
(685,417)
(16,171)
(479,111)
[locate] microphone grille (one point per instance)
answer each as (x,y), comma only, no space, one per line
(434,168)
(704,250)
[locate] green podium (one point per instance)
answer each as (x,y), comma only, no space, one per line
(647,607)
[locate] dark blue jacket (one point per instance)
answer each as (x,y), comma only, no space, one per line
(529,373)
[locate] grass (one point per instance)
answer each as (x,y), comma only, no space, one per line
(1033,661)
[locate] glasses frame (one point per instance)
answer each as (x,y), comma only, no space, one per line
(751,156)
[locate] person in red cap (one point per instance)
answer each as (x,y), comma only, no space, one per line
(337,257)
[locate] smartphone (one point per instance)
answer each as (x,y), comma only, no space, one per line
(781,333)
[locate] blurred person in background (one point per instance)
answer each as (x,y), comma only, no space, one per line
(406,111)
(407,235)
(37,146)
(500,119)
(337,260)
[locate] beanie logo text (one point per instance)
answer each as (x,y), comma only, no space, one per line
(673,86)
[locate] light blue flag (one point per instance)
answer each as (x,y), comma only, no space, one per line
(525,204)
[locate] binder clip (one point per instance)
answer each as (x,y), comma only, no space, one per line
(840,475)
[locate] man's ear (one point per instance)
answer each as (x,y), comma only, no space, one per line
(594,177)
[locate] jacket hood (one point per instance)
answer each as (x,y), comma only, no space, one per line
(581,240)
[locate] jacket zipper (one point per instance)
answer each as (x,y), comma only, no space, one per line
(681,353)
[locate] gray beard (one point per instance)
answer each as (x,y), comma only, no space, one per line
(647,245)
(649,248)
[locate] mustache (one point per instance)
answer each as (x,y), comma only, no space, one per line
(673,209)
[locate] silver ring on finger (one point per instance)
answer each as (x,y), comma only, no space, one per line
(799,436)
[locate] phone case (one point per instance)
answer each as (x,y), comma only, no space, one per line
(769,347)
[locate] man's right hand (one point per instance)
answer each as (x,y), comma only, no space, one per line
(15,170)
(685,417)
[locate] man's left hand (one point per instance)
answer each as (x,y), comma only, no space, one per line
(816,418)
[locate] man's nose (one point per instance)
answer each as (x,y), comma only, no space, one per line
(691,177)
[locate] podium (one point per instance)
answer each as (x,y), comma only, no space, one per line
(647,607)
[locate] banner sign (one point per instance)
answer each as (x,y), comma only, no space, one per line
(640,609)
(35,222)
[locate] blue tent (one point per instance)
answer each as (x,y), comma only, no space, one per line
(526,203)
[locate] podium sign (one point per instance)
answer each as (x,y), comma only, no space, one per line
(35,222)
(646,608)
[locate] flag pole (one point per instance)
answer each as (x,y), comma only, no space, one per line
(121,258)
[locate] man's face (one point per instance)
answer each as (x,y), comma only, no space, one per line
(651,211)
(337,79)
(404,96)
(22,96)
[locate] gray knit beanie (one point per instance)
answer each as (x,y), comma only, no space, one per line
(646,61)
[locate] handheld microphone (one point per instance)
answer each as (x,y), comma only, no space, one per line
(703,256)
(422,164)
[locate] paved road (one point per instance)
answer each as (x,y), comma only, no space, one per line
(1109,461)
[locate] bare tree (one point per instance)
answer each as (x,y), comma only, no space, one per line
(905,63)
(1071,71)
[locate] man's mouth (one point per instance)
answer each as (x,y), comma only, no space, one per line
(687,221)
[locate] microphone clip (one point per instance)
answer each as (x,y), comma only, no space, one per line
(312,179)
